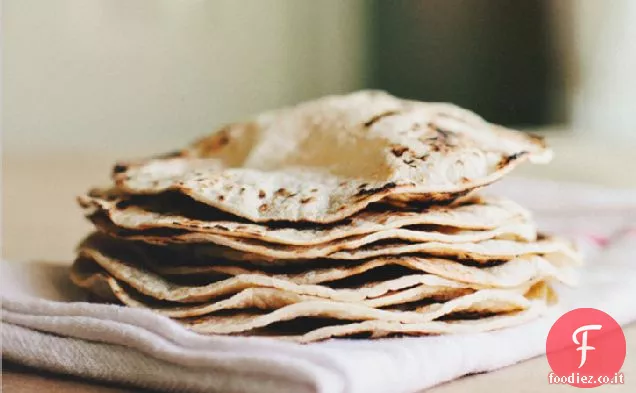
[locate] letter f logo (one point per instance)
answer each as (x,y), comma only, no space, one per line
(584,347)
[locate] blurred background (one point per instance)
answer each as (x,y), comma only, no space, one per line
(86,82)
(85,73)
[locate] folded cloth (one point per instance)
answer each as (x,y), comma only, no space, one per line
(46,325)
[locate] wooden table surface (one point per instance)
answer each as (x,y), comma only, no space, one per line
(42,222)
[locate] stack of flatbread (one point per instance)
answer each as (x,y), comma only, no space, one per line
(348,216)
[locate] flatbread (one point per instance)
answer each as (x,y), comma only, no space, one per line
(289,306)
(238,249)
(490,300)
(378,329)
(485,302)
(513,273)
(486,217)
(87,274)
(124,265)
(155,286)
(481,252)
(327,159)
(525,231)
(540,297)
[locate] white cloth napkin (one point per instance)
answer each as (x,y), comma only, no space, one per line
(44,326)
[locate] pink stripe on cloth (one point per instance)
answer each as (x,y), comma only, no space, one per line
(590,244)
(601,241)
(629,232)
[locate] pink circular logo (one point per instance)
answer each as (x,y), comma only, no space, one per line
(586,348)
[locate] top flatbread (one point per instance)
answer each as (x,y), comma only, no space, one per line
(324,160)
